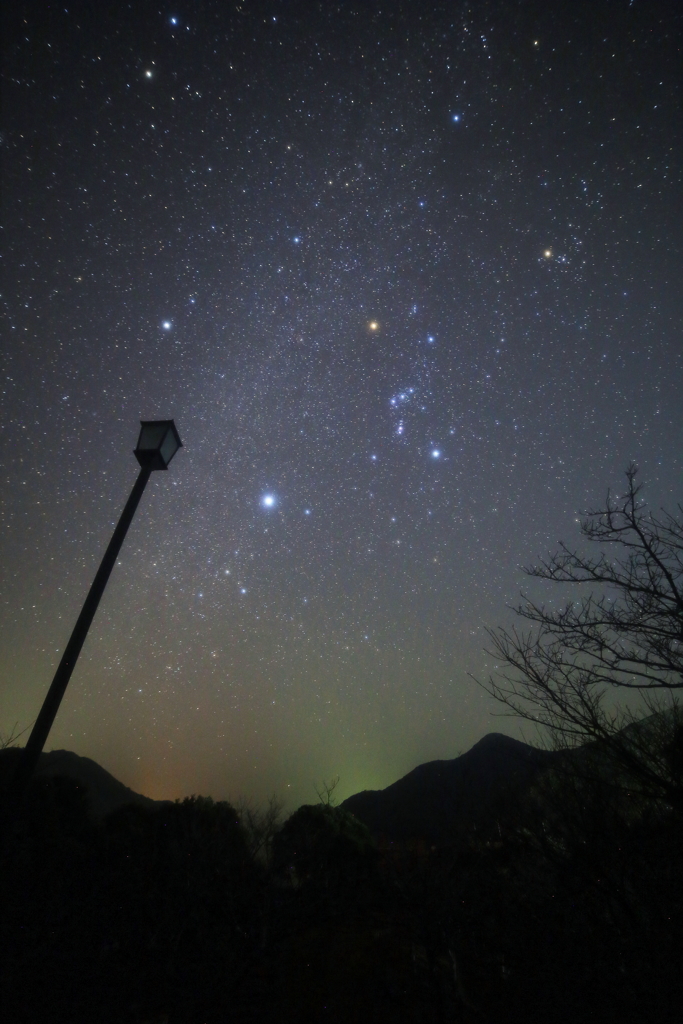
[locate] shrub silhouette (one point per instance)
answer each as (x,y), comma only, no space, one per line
(181,894)
(150,909)
(321,844)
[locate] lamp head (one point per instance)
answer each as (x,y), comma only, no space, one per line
(157,444)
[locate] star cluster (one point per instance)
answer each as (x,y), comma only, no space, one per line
(408,279)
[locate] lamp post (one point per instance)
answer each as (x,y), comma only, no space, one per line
(157,444)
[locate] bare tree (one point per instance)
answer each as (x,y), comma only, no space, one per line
(563,671)
(10,739)
(260,824)
(325,792)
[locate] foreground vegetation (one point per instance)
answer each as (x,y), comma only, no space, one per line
(568,907)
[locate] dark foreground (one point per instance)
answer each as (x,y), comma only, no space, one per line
(169,915)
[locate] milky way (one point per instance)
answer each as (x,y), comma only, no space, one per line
(408,279)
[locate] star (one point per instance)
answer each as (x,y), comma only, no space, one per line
(167,325)
(268,501)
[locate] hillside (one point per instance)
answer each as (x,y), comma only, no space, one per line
(105,793)
(435,799)
(430,802)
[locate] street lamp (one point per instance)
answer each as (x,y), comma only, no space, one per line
(157,444)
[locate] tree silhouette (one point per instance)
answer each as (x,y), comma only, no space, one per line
(598,837)
(564,672)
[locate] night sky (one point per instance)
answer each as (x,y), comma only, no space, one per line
(408,278)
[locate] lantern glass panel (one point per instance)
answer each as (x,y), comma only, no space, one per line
(151,436)
(169,446)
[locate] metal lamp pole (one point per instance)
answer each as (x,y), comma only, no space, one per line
(159,441)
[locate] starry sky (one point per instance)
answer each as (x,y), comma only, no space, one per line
(408,278)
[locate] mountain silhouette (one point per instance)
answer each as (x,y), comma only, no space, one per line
(436,799)
(432,802)
(105,793)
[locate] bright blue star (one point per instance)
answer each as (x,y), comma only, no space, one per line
(455,117)
(167,325)
(268,501)
(436,453)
